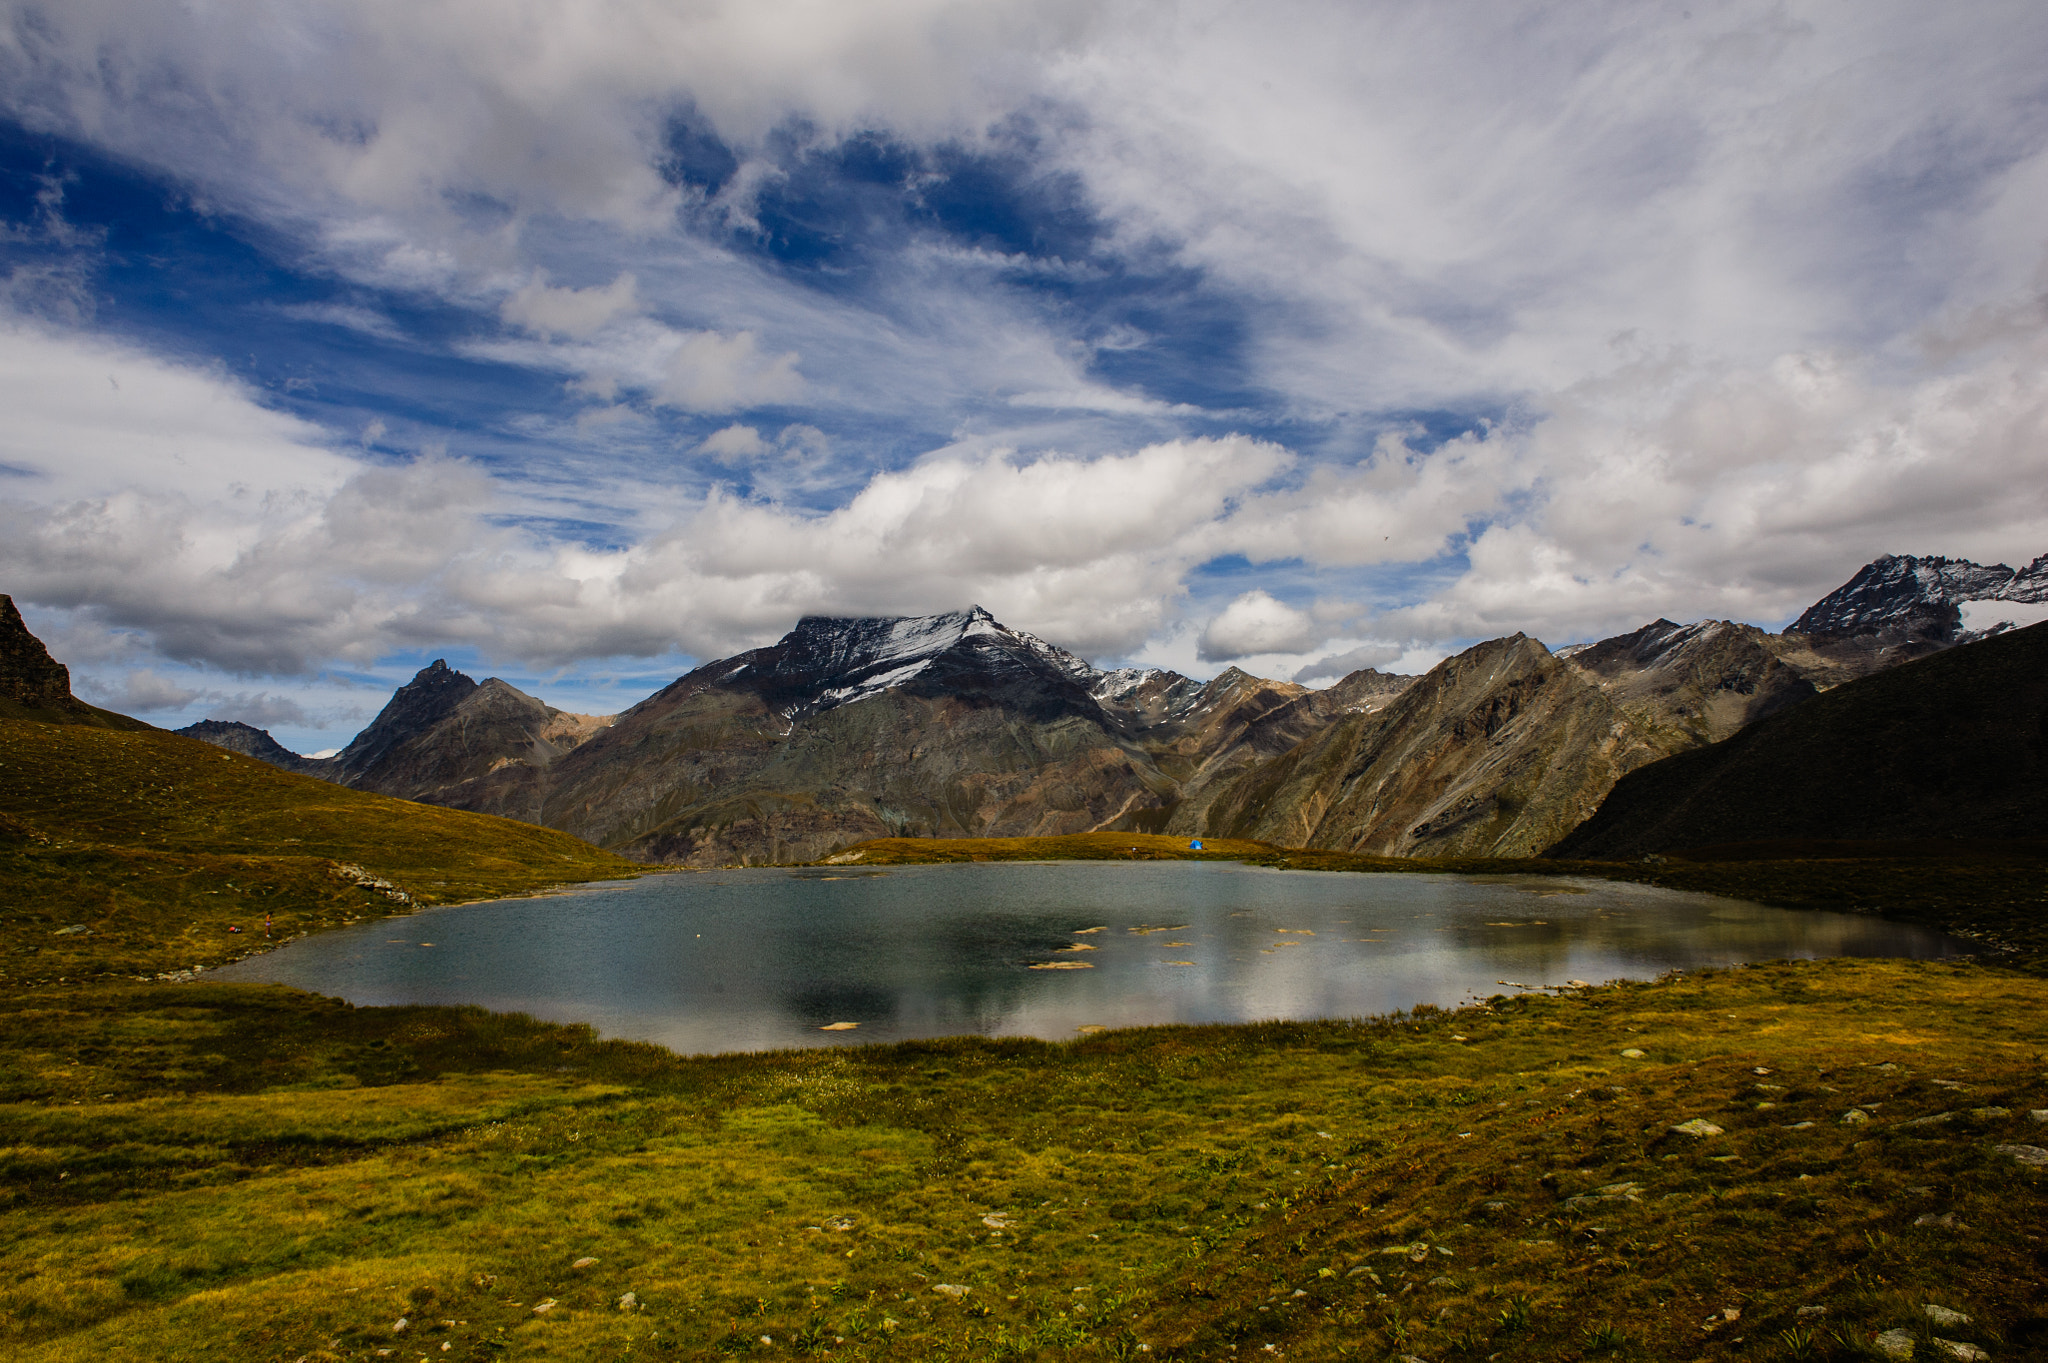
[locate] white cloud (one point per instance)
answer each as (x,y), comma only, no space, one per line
(735,442)
(1374,653)
(708,372)
(580,313)
(1256,622)
(139,693)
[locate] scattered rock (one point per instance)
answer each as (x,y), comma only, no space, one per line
(839,1026)
(2039,1114)
(1856,1116)
(2031,1155)
(953,1290)
(1811,1311)
(838,1223)
(1578,984)
(1895,1344)
(400,1326)
(996,1220)
(584,1262)
(1961,1352)
(1936,1119)
(1799,1126)
(1698,1126)
(1946,1221)
(544,1307)
(1945,1317)
(75,930)
(629,1302)
(1441,1281)
(1633,1054)
(1990,1114)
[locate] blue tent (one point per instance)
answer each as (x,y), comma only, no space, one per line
(1195,846)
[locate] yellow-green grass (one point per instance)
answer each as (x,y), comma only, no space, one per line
(170,852)
(1994,894)
(212,1172)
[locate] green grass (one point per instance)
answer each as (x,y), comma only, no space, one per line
(204,1172)
(170,852)
(198,1171)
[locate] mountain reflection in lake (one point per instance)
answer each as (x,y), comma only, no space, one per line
(756,959)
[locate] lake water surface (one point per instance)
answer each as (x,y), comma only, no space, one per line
(756,959)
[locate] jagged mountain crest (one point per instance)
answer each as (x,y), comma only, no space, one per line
(1911,597)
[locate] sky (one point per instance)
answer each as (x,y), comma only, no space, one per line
(579,343)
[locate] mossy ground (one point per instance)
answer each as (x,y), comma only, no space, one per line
(170,852)
(207,1172)
(196,1171)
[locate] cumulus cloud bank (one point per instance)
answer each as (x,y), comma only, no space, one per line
(1184,332)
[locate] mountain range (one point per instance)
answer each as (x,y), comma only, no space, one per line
(955,725)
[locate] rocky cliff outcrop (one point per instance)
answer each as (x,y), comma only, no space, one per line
(35,686)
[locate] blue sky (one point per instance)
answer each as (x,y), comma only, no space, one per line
(577,344)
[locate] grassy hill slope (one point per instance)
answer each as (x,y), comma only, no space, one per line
(204,1172)
(168,852)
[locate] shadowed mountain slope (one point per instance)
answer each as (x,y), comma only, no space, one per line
(1950,746)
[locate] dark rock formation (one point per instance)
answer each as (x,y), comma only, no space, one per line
(1950,746)
(35,686)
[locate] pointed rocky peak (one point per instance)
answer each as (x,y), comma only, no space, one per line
(1899,595)
(430,697)
(28,674)
(1365,690)
(33,685)
(829,661)
(1657,644)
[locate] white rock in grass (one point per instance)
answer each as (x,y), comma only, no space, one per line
(629,1302)
(1633,1054)
(2032,1155)
(1698,1126)
(1855,1116)
(1894,1344)
(2039,1114)
(1961,1352)
(953,1290)
(585,1262)
(400,1326)
(1946,1318)
(544,1307)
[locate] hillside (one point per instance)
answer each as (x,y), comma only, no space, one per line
(1952,746)
(233,1172)
(141,852)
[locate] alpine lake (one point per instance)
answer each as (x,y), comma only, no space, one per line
(760,959)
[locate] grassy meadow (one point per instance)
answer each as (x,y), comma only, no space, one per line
(126,854)
(197,1171)
(204,1172)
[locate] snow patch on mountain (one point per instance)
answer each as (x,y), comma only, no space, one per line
(1984,618)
